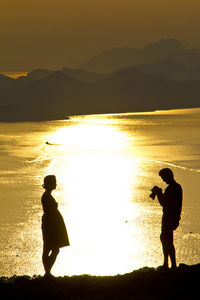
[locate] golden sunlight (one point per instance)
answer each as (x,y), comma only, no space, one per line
(89,137)
(95,180)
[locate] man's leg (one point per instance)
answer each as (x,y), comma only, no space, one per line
(172,252)
(163,238)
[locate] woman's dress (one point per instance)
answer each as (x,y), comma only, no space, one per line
(53,226)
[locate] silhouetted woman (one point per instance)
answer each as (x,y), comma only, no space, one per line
(53,227)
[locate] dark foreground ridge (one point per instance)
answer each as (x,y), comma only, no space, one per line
(145,283)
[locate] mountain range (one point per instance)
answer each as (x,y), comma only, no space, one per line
(166,49)
(156,81)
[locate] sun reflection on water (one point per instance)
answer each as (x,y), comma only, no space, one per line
(89,137)
(95,185)
(105,168)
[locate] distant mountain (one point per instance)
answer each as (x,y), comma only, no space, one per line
(38,74)
(126,90)
(78,74)
(163,49)
(132,90)
(82,75)
(170,69)
(110,60)
(167,49)
(49,98)
(7,82)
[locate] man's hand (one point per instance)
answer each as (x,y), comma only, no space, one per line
(155,191)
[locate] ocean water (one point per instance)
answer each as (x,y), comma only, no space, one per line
(105,167)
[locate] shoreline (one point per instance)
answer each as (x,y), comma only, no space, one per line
(145,283)
(172,111)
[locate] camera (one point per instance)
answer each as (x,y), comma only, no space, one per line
(154,191)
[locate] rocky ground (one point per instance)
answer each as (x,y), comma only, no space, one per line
(145,283)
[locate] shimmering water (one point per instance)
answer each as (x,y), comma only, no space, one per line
(105,167)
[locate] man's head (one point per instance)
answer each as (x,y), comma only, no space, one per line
(167,175)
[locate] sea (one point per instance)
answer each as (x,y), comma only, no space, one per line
(105,167)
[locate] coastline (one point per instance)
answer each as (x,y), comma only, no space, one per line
(172,111)
(145,283)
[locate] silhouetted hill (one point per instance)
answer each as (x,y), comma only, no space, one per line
(172,70)
(7,82)
(78,74)
(167,68)
(49,98)
(163,49)
(146,283)
(82,75)
(190,59)
(195,71)
(167,49)
(38,74)
(133,90)
(133,75)
(110,60)
(126,90)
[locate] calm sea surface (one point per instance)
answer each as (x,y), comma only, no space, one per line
(105,167)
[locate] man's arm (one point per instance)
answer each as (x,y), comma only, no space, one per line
(160,196)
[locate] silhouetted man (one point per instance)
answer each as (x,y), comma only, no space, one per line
(171,201)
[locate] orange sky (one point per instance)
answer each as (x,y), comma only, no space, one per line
(54,33)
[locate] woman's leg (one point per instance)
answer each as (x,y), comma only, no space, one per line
(52,258)
(45,259)
(49,259)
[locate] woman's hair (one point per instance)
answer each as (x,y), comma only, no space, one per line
(48,181)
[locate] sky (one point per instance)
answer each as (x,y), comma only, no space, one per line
(57,33)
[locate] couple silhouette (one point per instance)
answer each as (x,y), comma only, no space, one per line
(55,233)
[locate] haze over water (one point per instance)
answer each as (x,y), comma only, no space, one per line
(105,167)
